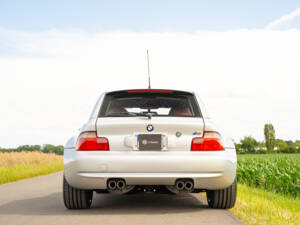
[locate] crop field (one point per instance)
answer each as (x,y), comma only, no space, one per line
(279,173)
(268,189)
(20,165)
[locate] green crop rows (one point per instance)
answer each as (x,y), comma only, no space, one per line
(274,172)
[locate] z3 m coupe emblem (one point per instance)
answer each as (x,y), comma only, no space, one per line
(150,128)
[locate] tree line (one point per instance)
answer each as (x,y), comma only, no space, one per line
(56,149)
(271,145)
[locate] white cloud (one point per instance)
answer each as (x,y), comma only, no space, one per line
(245,77)
(285,18)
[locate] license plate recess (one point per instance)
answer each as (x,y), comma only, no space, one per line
(150,142)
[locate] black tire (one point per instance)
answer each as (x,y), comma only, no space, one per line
(76,198)
(222,199)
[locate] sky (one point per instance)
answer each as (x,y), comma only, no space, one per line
(57,57)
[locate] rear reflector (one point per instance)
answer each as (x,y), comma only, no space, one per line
(149,91)
(211,141)
(88,141)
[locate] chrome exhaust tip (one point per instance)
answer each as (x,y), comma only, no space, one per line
(180,185)
(121,184)
(118,186)
(188,185)
(112,184)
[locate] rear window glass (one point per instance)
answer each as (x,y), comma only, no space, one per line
(145,104)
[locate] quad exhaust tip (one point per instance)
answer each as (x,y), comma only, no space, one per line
(112,184)
(117,185)
(184,185)
(180,185)
(189,186)
(121,184)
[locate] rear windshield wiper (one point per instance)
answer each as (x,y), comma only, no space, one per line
(149,115)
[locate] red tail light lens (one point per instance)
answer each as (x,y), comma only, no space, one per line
(88,141)
(211,141)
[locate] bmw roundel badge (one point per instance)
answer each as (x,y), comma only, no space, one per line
(149,127)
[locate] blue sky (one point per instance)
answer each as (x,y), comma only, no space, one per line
(56,57)
(134,15)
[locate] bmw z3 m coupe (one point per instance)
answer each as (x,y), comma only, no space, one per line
(159,141)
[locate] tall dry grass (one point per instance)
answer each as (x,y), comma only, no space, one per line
(15,166)
(25,158)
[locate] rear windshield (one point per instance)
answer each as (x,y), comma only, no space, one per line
(149,104)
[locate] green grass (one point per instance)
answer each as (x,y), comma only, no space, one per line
(278,173)
(256,206)
(18,172)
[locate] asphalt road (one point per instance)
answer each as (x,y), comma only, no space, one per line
(39,201)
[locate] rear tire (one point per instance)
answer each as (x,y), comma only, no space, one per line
(222,199)
(76,198)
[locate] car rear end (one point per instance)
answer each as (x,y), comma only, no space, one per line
(149,138)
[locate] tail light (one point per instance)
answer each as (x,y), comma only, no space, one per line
(88,141)
(211,141)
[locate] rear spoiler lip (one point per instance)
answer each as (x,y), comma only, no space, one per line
(149,91)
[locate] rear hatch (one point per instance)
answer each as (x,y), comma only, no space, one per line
(150,120)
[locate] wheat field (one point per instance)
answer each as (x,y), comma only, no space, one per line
(26,158)
(21,165)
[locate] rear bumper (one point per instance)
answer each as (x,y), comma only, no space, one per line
(91,170)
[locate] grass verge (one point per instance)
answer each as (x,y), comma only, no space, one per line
(20,172)
(22,165)
(256,206)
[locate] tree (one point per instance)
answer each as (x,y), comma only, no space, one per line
(59,149)
(281,144)
(249,144)
(269,132)
(28,148)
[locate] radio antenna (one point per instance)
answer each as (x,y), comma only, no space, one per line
(149,83)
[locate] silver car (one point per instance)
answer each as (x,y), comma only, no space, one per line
(159,141)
